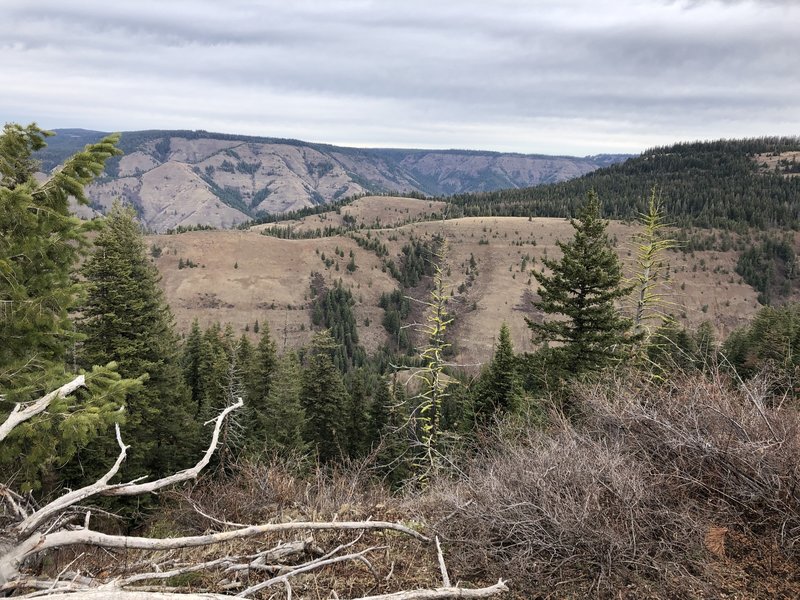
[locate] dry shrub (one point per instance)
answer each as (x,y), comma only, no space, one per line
(282,489)
(624,497)
(296,489)
(722,445)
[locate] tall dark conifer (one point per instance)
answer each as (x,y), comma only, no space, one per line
(324,399)
(279,425)
(499,389)
(581,289)
(126,319)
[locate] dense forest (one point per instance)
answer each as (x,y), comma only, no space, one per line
(703,184)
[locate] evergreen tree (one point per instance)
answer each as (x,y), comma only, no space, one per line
(262,373)
(770,340)
(706,346)
(40,244)
(671,348)
(582,287)
(324,399)
(499,389)
(397,437)
(265,362)
(191,364)
(357,425)
(280,425)
(379,411)
(215,360)
(126,319)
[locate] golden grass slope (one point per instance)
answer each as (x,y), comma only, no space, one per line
(244,276)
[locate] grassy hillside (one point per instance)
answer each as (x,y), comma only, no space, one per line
(732,184)
(243,276)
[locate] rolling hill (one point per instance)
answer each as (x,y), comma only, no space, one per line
(242,276)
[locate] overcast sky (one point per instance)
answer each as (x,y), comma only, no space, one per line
(557,77)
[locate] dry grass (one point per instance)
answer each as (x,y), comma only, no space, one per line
(273,275)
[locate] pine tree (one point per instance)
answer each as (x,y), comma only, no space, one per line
(126,319)
(40,245)
(261,377)
(280,425)
(324,399)
(499,390)
(582,288)
(357,414)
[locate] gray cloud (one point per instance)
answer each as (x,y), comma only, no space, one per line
(547,76)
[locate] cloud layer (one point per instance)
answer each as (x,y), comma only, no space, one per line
(569,76)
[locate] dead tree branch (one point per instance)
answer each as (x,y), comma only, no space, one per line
(20,415)
(52,527)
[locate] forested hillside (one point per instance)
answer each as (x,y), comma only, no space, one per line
(733,184)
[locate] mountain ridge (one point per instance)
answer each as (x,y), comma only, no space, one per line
(187,178)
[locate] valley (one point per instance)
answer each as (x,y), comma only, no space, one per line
(243,276)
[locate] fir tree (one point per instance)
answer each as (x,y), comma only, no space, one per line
(262,373)
(126,319)
(324,399)
(40,244)
(245,358)
(582,288)
(191,364)
(379,411)
(280,425)
(397,437)
(357,425)
(499,389)
(215,359)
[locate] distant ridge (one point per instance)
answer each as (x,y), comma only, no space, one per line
(183,178)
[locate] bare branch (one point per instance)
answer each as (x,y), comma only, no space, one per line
(102,487)
(58,505)
(14,501)
(193,568)
(20,415)
(9,563)
(442,565)
(445,592)
(132,489)
(112,594)
(309,566)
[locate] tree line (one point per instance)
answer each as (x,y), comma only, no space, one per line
(705,184)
